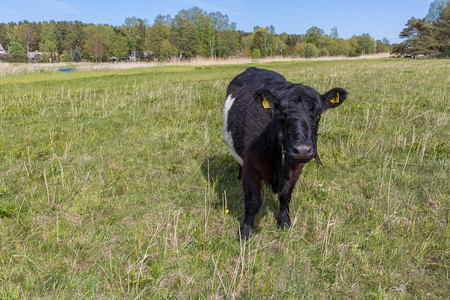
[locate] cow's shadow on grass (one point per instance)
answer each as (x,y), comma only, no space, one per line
(225,189)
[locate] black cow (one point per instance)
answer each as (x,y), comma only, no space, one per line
(270,126)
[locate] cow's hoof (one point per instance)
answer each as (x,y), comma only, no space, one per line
(245,232)
(284,221)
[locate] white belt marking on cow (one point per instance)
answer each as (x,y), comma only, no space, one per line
(227,134)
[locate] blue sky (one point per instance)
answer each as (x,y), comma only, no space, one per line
(379,18)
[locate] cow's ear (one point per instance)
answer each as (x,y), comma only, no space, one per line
(266,98)
(334,97)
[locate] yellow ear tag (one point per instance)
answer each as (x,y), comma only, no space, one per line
(266,103)
(335,100)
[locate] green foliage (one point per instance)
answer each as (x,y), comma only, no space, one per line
(135,31)
(65,57)
(16,53)
(313,35)
(324,52)
(102,42)
(259,41)
(115,184)
(256,53)
(343,47)
(48,46)
(77,55)
(428,36)
(329,44)
(186,41)
(435,11)
(419,39)
(167,50)
(442,28)
(299,49)
(334,33)
(73,36)
(16,48)
(366,44)
(96,47)
(383,46)
(311,50)
(15,58)
(218,28)
(158,37)
(28,36)
(228,43)
(195,32)
(48,37)
(291,39)
(119,47)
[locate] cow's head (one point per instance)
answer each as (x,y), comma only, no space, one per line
(298,109)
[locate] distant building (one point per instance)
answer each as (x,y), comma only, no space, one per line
(35,56)
(140,56)
(2,50)
(133,56)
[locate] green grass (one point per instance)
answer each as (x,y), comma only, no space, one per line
(114,184)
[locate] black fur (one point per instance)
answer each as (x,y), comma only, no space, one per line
(274,142)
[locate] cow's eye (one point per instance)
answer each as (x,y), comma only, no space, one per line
(311,108)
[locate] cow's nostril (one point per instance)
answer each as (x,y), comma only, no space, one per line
(302,152)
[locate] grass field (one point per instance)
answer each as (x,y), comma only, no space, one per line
(116,184)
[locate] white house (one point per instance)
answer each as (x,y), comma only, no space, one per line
(2,50)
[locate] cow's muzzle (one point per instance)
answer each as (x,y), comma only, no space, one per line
(302,152)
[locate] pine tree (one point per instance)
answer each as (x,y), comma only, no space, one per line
(443,32)
(77,55)
(419,39)
(48,38)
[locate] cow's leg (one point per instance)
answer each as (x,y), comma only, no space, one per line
(284,221)
(240,172)
(252,201)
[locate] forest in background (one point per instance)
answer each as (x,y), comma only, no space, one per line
(197,33)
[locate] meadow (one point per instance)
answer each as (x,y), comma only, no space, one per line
(117,184)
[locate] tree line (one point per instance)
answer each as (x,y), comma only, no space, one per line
(191,33)
(428,36)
